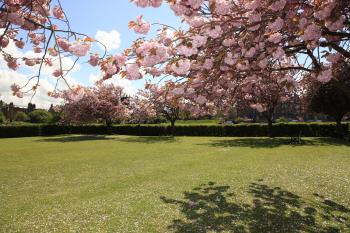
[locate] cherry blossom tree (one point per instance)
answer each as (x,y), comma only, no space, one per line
(266,92)
(103,102)
(142,110)
(228,42)
(164,103)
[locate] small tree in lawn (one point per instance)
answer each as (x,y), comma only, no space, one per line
(165,103)
(142,110)
(102,102)
(266,92)
(332,98)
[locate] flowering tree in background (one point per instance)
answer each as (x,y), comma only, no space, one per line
(266,92)
(164,103)
(142,110)
(104,102)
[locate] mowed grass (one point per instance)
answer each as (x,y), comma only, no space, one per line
(165,184)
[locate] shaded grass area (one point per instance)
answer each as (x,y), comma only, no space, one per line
(208,207)
(173,184)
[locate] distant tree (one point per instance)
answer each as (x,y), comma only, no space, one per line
(2,118)
(332,98)
(107,103)
(56,113)
(40,116)
(164,103)
(21,117)
(11,112)
(266,92)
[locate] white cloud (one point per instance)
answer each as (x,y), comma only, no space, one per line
(20,77)
(41,99)
(128,86)
(110,39)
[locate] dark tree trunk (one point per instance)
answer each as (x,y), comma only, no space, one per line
(269,127)
(269,117)
(109,126)
(172,127)
(340,131)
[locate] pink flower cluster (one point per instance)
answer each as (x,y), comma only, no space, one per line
(140,26)
(152,53)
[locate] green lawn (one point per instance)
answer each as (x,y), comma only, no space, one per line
(151,184)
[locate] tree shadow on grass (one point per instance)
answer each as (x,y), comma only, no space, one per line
(276,142)
(131,139)
(75,138)
(147,139)
(210,208)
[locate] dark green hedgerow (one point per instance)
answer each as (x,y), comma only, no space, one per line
(242,130)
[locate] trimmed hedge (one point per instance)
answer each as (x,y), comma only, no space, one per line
(242,130)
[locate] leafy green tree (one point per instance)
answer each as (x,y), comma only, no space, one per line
(21,117)
(40,116)
(2,117)
(333,98)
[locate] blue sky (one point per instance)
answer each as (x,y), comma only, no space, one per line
(108,15)
(87,17)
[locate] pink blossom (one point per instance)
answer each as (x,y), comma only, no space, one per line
(195,21)
(120,60)
(263,63)
(4,41)
(186,51)
(278,5)
(16,90)
(325,76)
(57,73)
(337,25)
(80,49)
(228,42)
(153,53)
(64,44)
(178,91)
(275,38)
(133,72)
(254,17)
(199,41)
(253,5)
(181,67)
(94,59)
(19,44)
(29,62)
(201,100)
(208,64)
(277,25)
(12,63)
(250,53)
(258,107)
(279,53)
(111,69)
(333,57)
(53,52)
(222,7)
(140,26)
(148,3)
(312,32)
(58,12)
(215,32)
